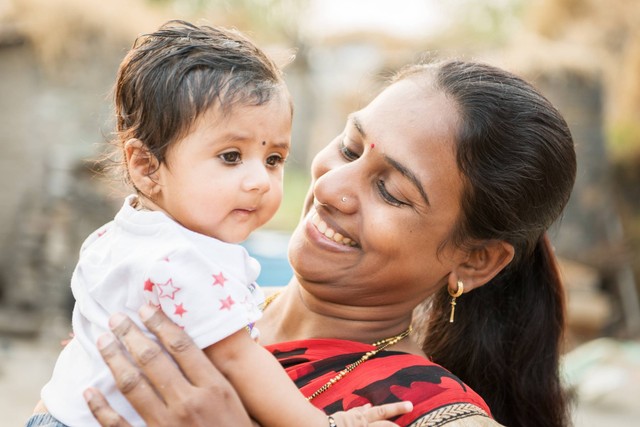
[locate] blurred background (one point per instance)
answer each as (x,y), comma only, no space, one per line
(58,60)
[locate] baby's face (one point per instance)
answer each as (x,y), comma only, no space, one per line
(224,179)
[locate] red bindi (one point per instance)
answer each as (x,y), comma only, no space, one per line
(373,146)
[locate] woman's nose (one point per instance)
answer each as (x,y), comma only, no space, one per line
(338,187)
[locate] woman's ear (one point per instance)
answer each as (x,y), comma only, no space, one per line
(142,167)
(483,263)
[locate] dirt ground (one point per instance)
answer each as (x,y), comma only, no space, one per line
(607,374)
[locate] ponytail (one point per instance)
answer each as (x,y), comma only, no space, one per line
(505,342)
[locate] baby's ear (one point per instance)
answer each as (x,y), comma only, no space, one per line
(142,167)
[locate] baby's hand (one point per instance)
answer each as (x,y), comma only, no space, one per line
(66,341)
(367,415)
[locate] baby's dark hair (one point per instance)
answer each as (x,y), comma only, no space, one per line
(173,75)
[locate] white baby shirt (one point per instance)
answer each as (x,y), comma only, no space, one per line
(205,285)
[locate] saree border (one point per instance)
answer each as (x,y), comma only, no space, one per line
(449,413)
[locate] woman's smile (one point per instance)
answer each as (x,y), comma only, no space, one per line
(327,236)
(329,232)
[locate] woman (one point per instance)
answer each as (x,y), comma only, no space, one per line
(441,189)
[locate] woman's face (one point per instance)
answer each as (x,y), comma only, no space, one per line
(385,195)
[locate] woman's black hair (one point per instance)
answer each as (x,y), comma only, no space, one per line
(517,157)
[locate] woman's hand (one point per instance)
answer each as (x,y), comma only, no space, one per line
(194,393)
(372,416)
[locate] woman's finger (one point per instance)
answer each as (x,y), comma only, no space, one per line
(374,416)
(192,361)
(130,381)
(386,411)
(211,397)
(101,410)
(158,390)
(157,367)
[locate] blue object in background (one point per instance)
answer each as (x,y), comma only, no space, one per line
(270,249)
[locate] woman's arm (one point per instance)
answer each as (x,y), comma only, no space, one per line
(193,394)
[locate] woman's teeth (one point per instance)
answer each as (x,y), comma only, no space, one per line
(330,232)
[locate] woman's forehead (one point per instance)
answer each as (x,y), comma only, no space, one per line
(409,108)
(414,128)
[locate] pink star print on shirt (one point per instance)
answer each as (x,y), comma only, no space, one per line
(226,303)
(219,279)
(167,290)
(179,310)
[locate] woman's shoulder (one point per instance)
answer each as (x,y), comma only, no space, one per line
(438,395)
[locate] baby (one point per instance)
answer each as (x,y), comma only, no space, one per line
(204,123)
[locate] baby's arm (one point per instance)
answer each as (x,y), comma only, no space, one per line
(264,387)
(272,398)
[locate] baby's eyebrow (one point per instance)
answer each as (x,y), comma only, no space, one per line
(247,138)
(283,145)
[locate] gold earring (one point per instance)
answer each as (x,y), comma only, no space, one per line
(455,295)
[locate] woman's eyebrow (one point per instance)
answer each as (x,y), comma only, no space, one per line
(407,173)
(358,125)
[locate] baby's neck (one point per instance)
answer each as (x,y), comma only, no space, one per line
(143,203)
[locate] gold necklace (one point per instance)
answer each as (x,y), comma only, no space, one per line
(379,346)
(268,300)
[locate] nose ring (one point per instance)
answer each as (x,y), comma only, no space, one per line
(344,199)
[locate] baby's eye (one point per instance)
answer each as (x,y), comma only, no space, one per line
(231,157)
(275,160)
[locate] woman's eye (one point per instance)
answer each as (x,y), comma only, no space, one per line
(382,188)
(231,157)
(275,160)
(347,153)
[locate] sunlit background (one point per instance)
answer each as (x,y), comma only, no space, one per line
(58,60)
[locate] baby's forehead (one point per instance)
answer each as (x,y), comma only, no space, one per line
(244,117)
(226,107)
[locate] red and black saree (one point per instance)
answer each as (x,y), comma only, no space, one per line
(438,396)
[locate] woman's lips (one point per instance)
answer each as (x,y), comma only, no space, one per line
(329,232)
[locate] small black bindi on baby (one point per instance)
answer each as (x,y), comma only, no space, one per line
(264,142)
